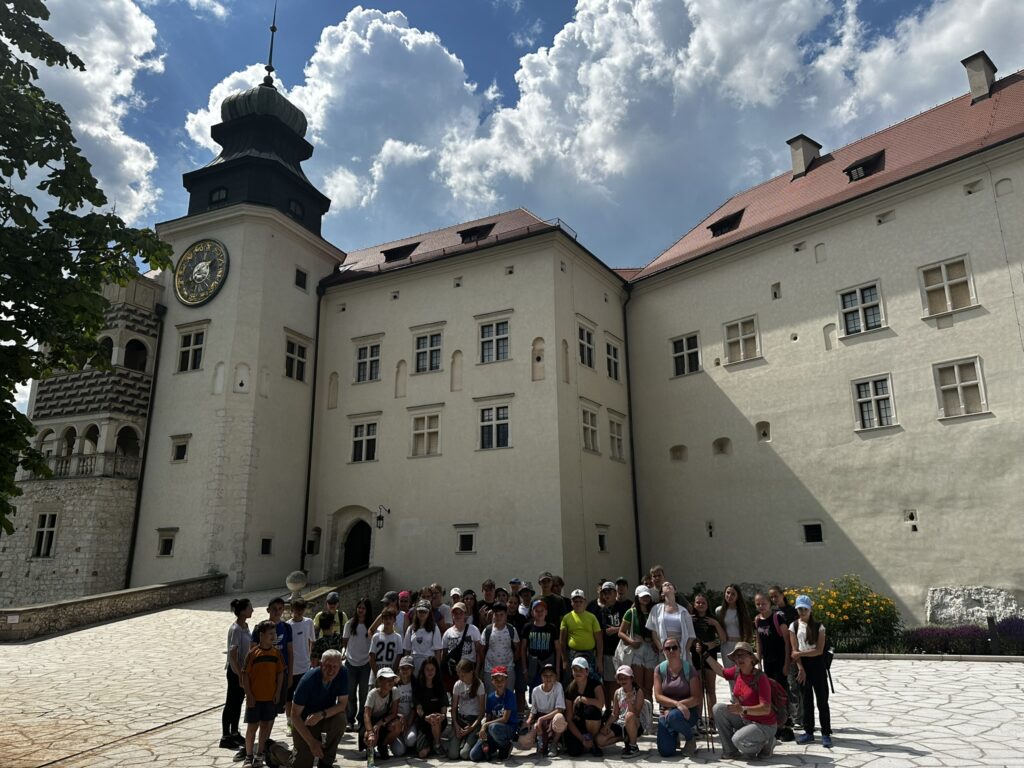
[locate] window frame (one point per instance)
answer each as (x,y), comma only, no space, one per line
(166,534)
(590,420)
(967,279)
(616,441)
(602,539)
(44,538)
(873,399)
(192,349)
(269,541)
(493,425)
(368,361)
(859,308)
(756,335)
(364,441)
(425,431)
(176,441)
(585,345)
(493,340)
(428,350)
(466,529)
(684,355)
(613,361)
(803,533)
(305,279)
(299,362)
(940,388)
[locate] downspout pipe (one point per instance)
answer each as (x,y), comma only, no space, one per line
(632,442)
(312,419)
(161,312)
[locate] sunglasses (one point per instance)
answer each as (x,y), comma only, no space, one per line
(671,647)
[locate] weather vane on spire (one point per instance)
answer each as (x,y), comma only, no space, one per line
(269,80)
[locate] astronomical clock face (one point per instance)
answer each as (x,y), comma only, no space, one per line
(201,272)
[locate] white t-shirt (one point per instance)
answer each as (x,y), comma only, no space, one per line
(421,642)
(799,628)
(404,693)
(302,637)
(387,649)
(445,612)
(543,701)
(731,623)
(500,645)
(451,639)
(400,623)
(378,704)
(469,706)
(357,651)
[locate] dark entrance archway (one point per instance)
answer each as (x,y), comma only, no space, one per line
(357,548)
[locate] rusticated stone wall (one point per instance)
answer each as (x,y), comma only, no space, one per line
(93,391)
(970,604)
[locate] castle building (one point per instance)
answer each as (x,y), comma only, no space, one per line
(823,377)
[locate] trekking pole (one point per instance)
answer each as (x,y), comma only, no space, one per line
(830,684)
(708,741)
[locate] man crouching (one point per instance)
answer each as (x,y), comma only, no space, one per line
(318,711)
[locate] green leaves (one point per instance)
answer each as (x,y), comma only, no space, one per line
(55,255)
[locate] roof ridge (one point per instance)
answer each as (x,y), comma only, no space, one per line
(442,229)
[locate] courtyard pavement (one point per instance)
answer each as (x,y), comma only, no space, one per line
(148,690)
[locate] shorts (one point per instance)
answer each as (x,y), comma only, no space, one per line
(619,731)
(645,656)
(609,669)
(291,688)
(263,712)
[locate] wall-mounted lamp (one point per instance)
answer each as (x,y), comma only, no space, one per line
(381,510)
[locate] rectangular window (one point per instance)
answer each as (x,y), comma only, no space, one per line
(612,360)
(46,532)
(586,344)
(190,350)
(364,442)
(947,286)
(602,539)
(615,441)
(368,362)
(686,354)
(860,309)
(301,278)
(295,360)
(873,401)
(813,533)
(590,442)
(465,541)
(960,388)
(741,341)
(266,546)
(426,435)
(179,447)
(494,427)
(165,541)
(428,352)
(494,341)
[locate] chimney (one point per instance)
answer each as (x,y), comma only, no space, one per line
(981,73)
(804,151)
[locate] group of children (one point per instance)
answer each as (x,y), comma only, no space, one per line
(472,677)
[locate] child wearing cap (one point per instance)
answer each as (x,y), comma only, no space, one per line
(461,641)
(381,724)
(500,720)
(502,645)
(581,634)
(546,722)
(422,637)
(404,692)
(330,608)
(626,722)
(468,699)
(807,638)
(585,700)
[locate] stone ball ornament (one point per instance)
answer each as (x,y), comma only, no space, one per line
(295,581)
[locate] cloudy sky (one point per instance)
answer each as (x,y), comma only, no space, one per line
(628,119)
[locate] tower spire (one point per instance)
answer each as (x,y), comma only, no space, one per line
(269,80)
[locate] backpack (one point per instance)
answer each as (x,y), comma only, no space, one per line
(279,754)
(454,654)
(780,701)
(687,669)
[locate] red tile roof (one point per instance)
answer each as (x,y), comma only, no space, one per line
(941,135)
(627,273)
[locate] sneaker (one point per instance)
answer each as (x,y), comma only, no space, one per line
(690,747)
(596,751)
(805,738)
(228,743)
(257,761)
(732,756)
(786,734)
(826,740)
(248,763)
(239,755)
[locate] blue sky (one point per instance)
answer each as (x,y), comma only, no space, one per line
(629,119)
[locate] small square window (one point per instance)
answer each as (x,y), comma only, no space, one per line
(165,546)
(179,448)
(301,278)
(466,542)
(813,533)
(266,546)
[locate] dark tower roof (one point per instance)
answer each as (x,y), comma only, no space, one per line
(262,139)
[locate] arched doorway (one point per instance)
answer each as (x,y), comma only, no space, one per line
(357,548)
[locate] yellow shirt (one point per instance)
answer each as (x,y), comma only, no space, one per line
(581,628)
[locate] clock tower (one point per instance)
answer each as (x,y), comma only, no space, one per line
(224,481)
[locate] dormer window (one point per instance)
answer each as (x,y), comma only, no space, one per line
(399,252)
(296,209)
(473,234)
(218,195)
(866,166)
(726,223)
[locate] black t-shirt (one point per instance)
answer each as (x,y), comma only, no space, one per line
(540,641)
(611,616)
(705,630)
(556,608)
(573,691)
(432,700)
(790,613)
(773,645)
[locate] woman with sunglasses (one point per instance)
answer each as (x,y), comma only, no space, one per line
(678,689)
(807,636)
(746,727)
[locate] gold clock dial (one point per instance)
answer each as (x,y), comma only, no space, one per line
(201,272)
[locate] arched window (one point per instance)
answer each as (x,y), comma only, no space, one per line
(135,354)
(127,442)
(67,441)
(91,440)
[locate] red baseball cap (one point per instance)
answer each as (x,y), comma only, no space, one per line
(503,671)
